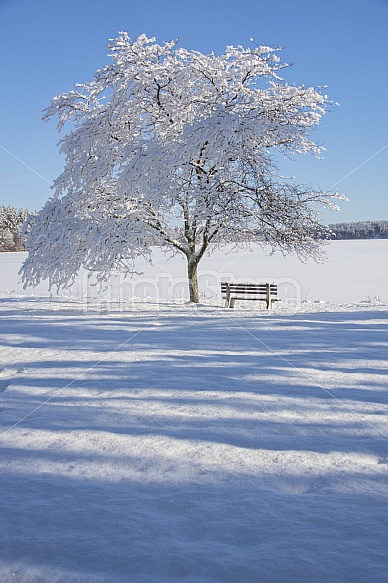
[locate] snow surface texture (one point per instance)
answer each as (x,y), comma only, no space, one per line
(196,444)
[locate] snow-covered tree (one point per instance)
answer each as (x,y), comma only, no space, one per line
(11,225)
(176,148)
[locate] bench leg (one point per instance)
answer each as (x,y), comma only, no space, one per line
(229,302)
(268,297)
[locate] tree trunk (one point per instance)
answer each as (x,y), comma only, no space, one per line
(193,279)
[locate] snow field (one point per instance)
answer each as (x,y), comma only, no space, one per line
(167,443)
(356,273)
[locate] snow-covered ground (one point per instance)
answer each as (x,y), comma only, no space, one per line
(145,440)
(356,271)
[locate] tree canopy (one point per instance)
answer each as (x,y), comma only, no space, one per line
(177,148)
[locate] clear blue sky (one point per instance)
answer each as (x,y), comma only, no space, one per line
(48,45)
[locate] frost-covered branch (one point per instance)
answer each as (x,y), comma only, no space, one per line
(175,148)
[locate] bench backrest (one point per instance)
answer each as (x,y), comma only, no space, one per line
(249,289)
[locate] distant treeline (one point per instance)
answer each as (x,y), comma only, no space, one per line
(12,221)
(361,230)
(11,225)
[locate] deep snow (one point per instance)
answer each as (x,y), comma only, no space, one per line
(150,441)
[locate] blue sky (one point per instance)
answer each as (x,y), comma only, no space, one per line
(48,45)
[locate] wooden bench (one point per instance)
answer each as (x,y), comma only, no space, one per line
(262,292)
